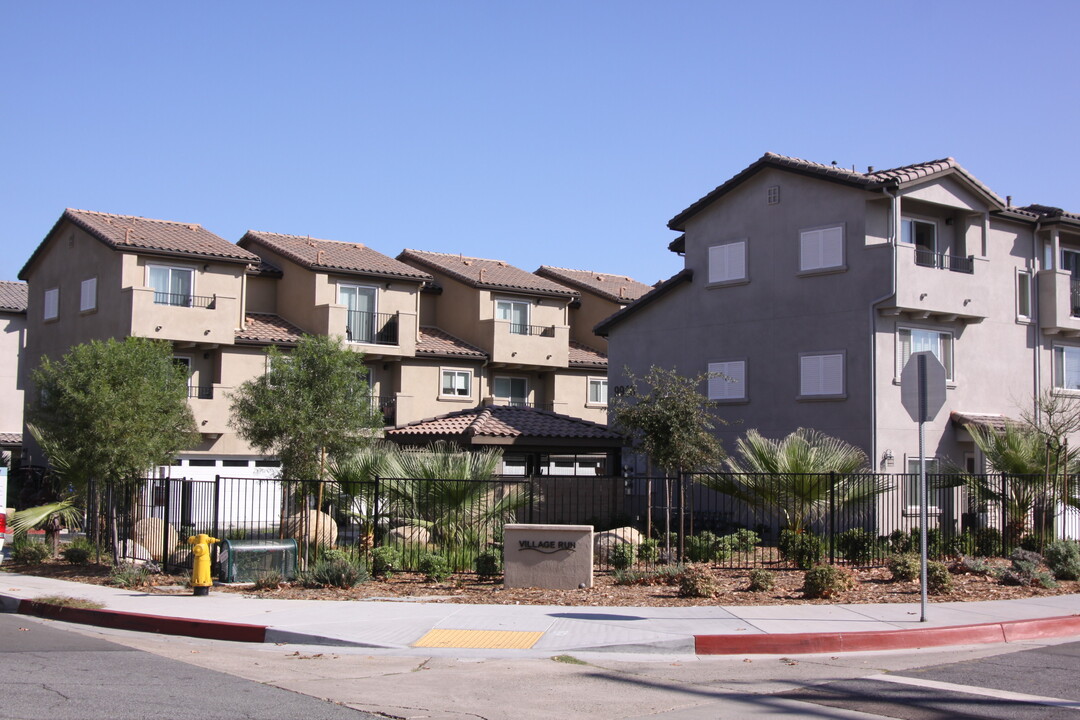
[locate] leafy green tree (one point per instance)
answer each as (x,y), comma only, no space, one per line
(668,418)
(112,410)
(311,403)
(791,475)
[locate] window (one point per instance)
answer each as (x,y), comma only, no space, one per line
(1023,295)
(88,295)
(597,391)
(773,195)
(1066,367)
(456,383)
(52,304)
(821,375)
(911,484)
(1070,260)
(727,263)
(513,391)
(172,285)
(359,302)
(913,340)
(822,248)
(727,380)
(514,312)
(923,235)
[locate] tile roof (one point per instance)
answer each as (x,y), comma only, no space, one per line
(488,274)
(683,276)
(129,232)
(332,255)
(1048,212)
(13,296)
(506,422)
(867,181)
(616,288)
(264,269)
(267,328)
(9,439)
(433,341)
(989,420)
(584,356)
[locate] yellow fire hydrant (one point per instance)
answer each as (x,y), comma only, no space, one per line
(200,567)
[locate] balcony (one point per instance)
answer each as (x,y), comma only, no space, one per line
(1059,303)
(385,405)
(938,286)
(371,328)
(181,300)
(515,345)
(179,317)
(201,392)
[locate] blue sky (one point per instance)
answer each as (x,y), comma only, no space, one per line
(558,133)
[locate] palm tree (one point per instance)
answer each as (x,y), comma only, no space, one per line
(792,475)
(1029,470)
(65,488)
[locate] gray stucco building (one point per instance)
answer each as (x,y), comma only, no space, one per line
(807,286)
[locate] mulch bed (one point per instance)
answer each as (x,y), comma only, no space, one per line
(874,585)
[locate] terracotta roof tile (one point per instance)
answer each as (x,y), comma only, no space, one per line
(1048,212)
(332,255)
(9,439)
(869,181)
(267,328)
(506,422)
(616,288)
(264,269)
(434,341)
(992,421)
(488,274)
(584,356)
(13,296)
(670,285)
(129,232)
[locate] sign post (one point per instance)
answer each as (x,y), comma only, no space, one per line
(922,393)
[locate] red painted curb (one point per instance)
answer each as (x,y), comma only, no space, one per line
(207,629)
(804,643)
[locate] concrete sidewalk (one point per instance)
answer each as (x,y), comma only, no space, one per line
(408,627)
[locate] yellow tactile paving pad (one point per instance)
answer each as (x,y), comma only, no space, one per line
(483,639)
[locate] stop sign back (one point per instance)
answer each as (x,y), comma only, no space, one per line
(922,386)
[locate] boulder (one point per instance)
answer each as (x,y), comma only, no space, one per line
(410,535)
(133,552)
(149,532)
(604,541)
(328,529)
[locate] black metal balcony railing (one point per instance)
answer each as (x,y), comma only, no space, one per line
(201,392)
(944,261)
(539,330)
(516,402)
(183,300)
(386,405)
(375,328)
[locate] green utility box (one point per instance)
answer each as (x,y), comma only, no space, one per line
(247,560)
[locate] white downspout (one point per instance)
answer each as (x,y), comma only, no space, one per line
(1037,333)
(894,223)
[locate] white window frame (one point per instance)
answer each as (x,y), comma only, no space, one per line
(1062,366)
(911,485)
(455,373)
(1024,304)
(822,249)
(510,304)
(907,237)
(371,331)
(727,381)
(599,382)
(772,195)
(815,371)
(524,400)
(728,263)
(88,295)
(172,268)
(51,304)
(949,359)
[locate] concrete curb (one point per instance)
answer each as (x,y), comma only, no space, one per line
(121,620)
(809,643)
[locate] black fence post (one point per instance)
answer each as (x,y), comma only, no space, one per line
(1004,515)
(167,499)
(217,498)
(375,514)
(832,517)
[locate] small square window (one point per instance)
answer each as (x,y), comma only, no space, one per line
(821,248)
(727,380)
(773,195)
(727,262)
(821,375)
(456,383)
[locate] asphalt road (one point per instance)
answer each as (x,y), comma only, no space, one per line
(1040,684)
(53,673)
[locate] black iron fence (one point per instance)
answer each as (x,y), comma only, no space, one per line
(734,520)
